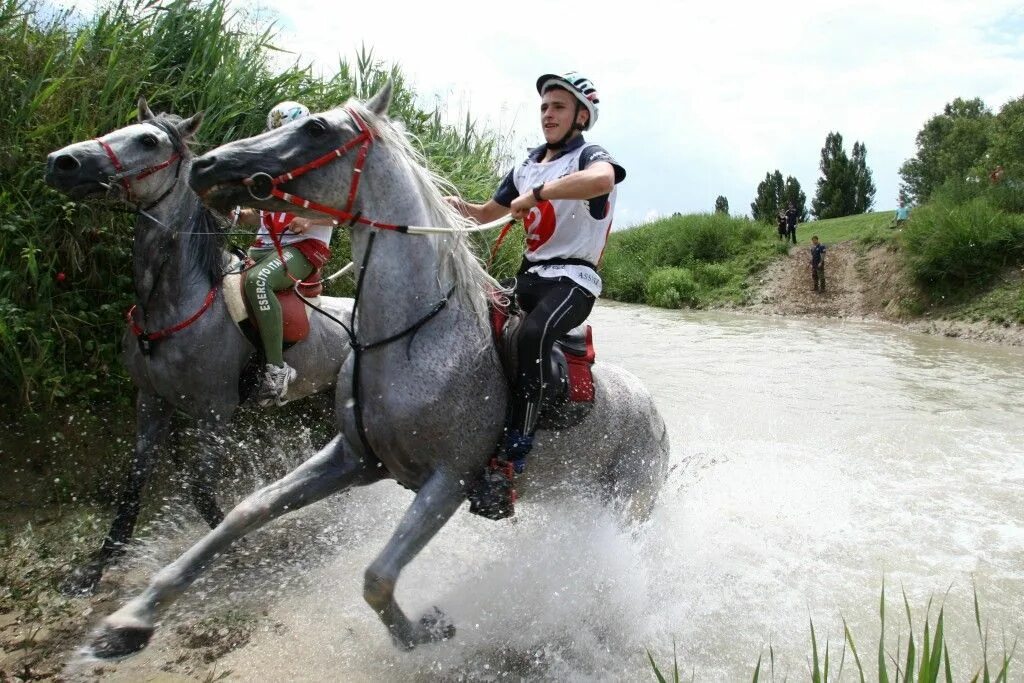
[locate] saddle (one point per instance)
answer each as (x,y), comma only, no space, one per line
(569,393)
(294,311)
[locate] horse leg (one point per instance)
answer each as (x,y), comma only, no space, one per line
(332,469)
(435,503)
(204,478)
(153,422)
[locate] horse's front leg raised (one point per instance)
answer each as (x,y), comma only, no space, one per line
(332,469)
(153,422)
(434,505)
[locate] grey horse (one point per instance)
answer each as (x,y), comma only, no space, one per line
(422,399)
(178,264)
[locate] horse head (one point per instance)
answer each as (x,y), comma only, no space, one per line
(247,171)
(143,159)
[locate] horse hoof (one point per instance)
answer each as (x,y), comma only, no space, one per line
(435,627)
(114,642)
(82,581)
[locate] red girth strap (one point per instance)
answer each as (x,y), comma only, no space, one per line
(160,334)
(363,141)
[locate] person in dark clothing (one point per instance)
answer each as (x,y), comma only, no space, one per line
(817,264)
(791,216)
(783,230)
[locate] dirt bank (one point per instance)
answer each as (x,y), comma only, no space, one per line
(867,284)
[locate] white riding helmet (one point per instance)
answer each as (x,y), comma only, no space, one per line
(579,85)
(286,112)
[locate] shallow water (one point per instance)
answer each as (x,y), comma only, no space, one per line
(811,458)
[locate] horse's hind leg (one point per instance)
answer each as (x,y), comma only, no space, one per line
(329,471)
(435,503)
(153,422)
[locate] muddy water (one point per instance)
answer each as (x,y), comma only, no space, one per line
(812,460)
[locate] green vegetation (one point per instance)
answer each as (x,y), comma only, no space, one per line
(698,260)
(65,276)
(906,664)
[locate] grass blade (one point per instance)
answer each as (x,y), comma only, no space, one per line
(853,648)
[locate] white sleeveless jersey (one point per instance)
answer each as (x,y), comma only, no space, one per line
(563,228)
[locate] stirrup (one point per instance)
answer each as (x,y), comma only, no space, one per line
(494,495)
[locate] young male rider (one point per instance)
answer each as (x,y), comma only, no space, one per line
(305,245)
(564,192)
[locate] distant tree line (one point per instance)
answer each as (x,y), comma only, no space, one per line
(845,186)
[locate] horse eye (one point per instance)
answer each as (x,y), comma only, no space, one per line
(149,141)
(315,127)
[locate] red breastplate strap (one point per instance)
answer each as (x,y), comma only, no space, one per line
(166,332)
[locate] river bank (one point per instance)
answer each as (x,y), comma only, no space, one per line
(871,284)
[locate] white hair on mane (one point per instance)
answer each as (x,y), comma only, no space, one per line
(458,265)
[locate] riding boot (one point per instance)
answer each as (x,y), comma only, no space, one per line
(494,496)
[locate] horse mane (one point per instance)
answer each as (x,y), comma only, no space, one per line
(458,265)
(207,238)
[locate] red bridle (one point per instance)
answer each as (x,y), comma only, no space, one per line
(123,176)
(262,186)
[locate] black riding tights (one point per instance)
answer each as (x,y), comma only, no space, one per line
(553,307)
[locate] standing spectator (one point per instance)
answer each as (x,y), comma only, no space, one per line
(791,216)
(818,264)
(783,231)
(902,214)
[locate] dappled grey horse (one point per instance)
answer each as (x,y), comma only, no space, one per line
(178,262)
(422,398)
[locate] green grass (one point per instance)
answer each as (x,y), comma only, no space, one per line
(865,226)
(923,658)
(697,260)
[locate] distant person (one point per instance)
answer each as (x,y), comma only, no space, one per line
(791,215)
(996,176)
(783,231)
(902,214)
(817,264)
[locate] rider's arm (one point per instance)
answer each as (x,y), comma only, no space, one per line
(593,181)
(300,224)
(481,213)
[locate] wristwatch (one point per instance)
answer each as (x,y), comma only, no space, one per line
(536,192)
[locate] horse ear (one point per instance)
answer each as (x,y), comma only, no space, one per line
(145,113)
(189,126)
(380,102)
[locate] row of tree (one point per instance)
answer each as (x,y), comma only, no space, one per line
(965,143)
(845,186)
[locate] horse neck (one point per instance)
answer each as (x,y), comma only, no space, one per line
(166,279)
(400,279)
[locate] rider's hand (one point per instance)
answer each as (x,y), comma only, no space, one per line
(456,203)
(522,204)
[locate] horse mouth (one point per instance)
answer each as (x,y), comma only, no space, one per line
(86,190)
(223,195)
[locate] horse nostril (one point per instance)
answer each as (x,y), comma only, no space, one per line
(204,162)
(66,163)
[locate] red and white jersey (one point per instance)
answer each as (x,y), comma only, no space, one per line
(565,228)
(278,222)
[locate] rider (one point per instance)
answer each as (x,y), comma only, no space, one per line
(304,244)
(565,194)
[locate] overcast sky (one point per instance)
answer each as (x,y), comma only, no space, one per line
(697,99)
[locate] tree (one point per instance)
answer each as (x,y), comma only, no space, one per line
(1006,146)
(863,185)
(948,146)
(774,195)
(722,205)
(792,194)
(845,186)
(765,206)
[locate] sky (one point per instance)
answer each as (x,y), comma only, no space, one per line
(697,100)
